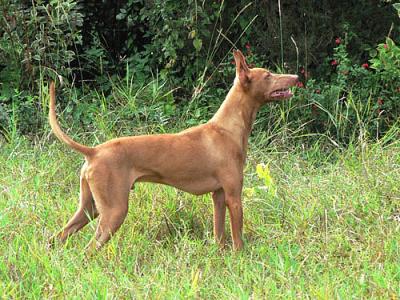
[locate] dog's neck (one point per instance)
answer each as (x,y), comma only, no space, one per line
(237,115)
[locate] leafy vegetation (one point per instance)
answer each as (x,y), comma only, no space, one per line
(187,46)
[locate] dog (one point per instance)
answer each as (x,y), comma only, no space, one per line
(208,158)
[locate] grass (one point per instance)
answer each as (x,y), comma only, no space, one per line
(319,220)
(327,232)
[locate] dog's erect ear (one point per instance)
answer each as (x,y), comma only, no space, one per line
(242,69)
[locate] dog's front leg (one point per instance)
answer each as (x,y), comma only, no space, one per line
(236,215)
(219,216)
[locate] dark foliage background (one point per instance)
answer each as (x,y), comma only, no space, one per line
(160,33)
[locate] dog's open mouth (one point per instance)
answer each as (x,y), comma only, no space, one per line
(282,93)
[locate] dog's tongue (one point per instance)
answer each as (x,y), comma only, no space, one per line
(282,94)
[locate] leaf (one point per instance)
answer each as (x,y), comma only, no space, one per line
(192,34)
(121,15)
(249,192)
(373,52)
(197,43)
(263,173)
(390,42)
(375,63)
(397,7)
(260,171)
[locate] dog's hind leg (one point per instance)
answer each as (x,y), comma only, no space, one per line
(112,203)
(86,212)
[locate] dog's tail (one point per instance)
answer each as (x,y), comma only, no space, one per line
(87,151)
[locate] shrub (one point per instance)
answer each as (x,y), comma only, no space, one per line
(358,97)
(36,40)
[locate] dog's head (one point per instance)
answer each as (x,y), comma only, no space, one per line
(261,84)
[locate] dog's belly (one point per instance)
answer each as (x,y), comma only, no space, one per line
(196,186)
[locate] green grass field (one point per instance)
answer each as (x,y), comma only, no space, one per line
(323,227)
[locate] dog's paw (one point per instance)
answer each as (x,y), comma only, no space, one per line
(91,249)
(51,243)
(55,240)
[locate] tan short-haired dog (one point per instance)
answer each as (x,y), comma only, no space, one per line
(202,159)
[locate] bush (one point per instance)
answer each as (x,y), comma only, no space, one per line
(37,40)
(357,97)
